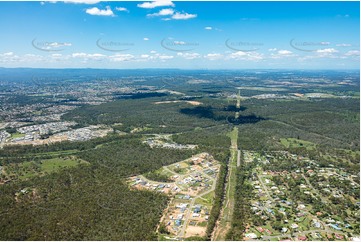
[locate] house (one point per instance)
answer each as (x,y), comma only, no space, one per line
(301,206)
(334,226)
(316,223)
(182,205)
(302,238)
(270,210)
(339,236)
(254,209)
(195,215)
(284,230)
(251,235)
(178,222)
(294,226)
(260,229)
(316,236)
(197,210)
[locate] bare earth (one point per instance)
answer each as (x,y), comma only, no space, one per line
(195,231)
(194,103)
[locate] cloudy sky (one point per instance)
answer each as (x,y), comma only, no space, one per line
(188,35)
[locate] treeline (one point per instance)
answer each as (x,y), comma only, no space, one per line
(243,195)
(217,202)
(146,113)
(157,176)
(212,140)
(21,153)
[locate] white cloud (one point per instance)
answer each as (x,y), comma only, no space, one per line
(42,3)
(121,57)
(10,57)
(8,54)
(146,39)
(241,55)
(353,53)
(172,15)
(344,45)
(238,54)
(57,44)
(163,12)
(284,52)
(157,3)
(78,1)
(86,56)
(278,54)
(183,16)
(153,52)
(76,55)
(213,56)
(144,56)
(100,12)
(165,57)
(208,28)
(189,56)
(121,9)
(327,51)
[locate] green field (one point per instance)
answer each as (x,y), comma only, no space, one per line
(297,143)
(30,169)
(17,135)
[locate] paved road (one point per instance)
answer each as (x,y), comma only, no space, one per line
(314,190)
(189,212)
(264,187)
(169,170)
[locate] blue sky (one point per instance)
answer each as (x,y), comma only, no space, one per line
(188,35)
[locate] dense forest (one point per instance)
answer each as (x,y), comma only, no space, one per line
(89,202)
(92,201)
